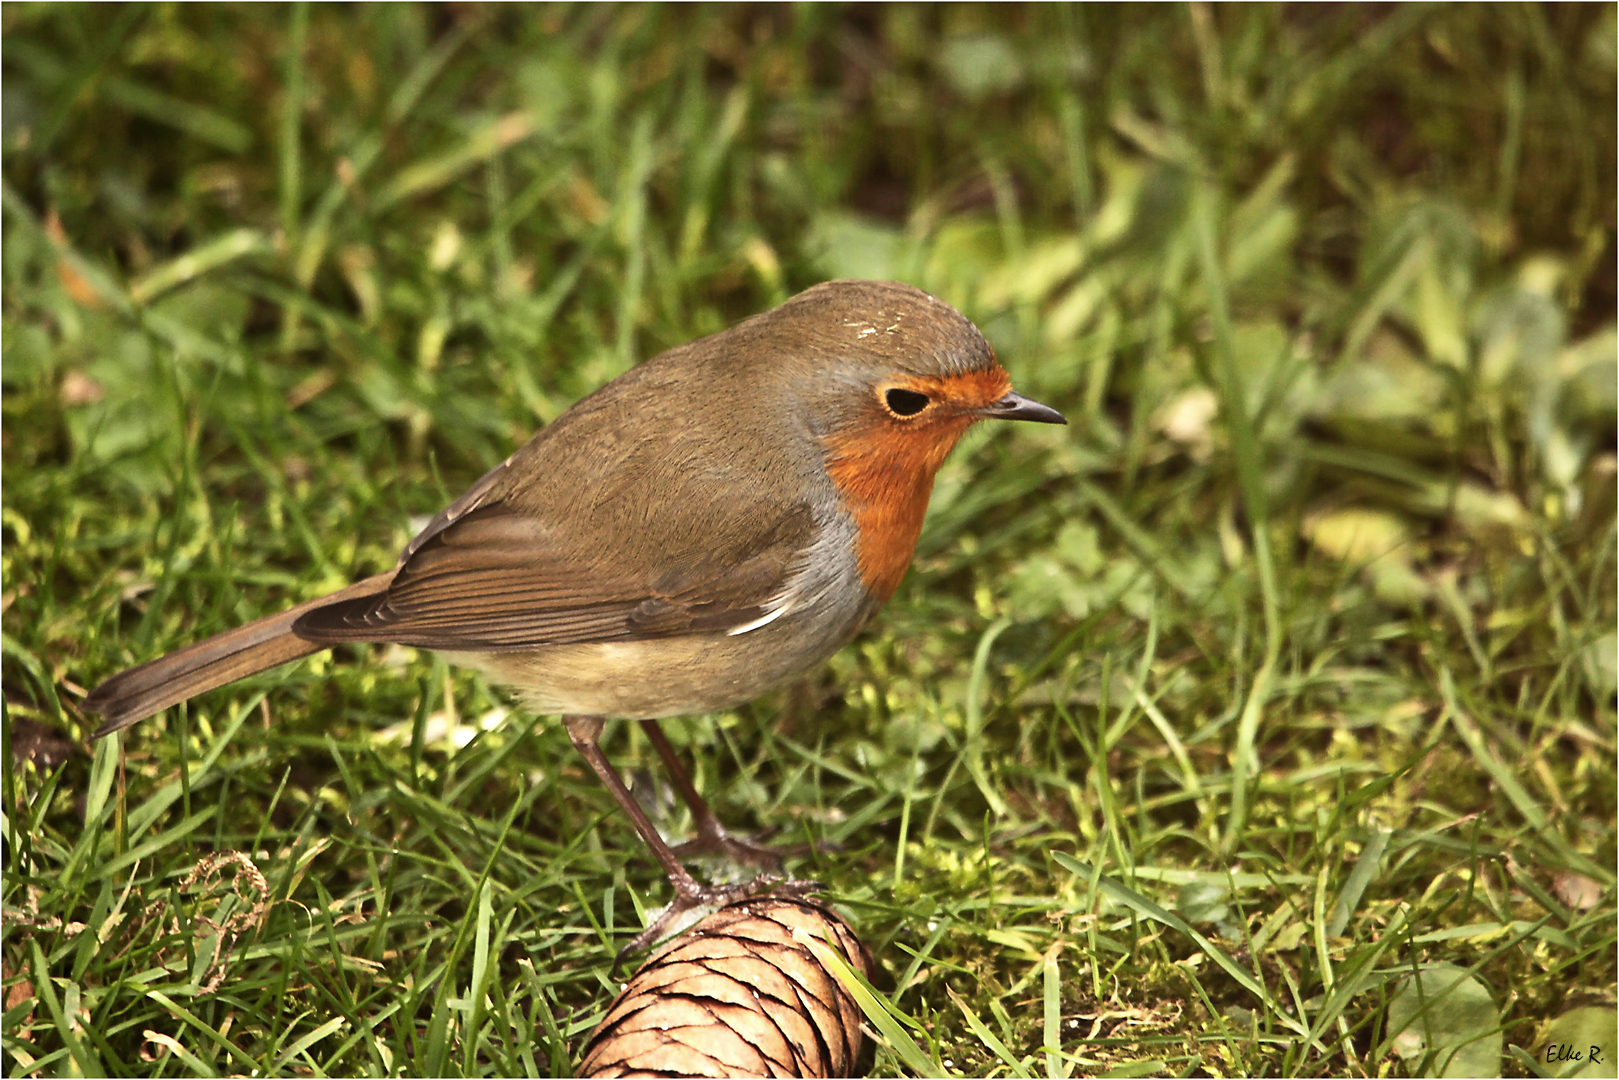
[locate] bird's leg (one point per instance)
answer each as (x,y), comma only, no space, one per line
(585,734)
(712,839)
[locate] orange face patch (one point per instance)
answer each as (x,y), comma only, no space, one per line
(955,394)
(884,467)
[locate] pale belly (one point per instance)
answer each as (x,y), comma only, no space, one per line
(676,676)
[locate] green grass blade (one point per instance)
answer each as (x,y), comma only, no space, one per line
(84,1057)
(878,1011)
(989,1038)
(1146,908)
(1362,875)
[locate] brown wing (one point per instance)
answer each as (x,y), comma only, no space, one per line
(497,579)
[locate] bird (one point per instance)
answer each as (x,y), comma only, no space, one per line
(708,526)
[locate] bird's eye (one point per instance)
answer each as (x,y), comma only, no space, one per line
(904,403)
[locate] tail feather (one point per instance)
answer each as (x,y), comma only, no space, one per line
(133,695)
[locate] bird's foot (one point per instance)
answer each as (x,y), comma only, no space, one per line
(715,843)
(692,903)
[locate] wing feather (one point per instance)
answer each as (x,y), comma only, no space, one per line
(499,579)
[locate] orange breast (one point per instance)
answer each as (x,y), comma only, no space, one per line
(884,471)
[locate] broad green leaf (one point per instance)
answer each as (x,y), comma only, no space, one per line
(1581,1042)
(1444,1023)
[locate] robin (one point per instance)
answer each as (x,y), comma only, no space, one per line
(706,527)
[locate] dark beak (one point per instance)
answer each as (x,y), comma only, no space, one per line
(1015,406)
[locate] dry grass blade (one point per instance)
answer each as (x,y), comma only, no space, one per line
(736,996)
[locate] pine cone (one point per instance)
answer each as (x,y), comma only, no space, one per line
(736,996)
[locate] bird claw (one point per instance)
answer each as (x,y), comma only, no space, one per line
(712,897)
(721,844)
(714,842)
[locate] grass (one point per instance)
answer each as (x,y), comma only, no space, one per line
(1198,727)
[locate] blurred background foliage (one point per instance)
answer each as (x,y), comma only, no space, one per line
(1327,293)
